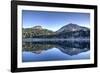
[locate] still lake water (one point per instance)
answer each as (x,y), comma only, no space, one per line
(55,51)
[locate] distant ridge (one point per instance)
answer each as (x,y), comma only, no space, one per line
(67,31)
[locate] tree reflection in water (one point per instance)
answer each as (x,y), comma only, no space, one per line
(68,47)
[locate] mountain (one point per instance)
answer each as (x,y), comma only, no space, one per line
(67,31)
(37,27)
(71,27)
(36,31)
(73,31)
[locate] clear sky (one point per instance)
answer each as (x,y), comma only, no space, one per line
(53,20)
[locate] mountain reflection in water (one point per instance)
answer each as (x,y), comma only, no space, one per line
(51,51)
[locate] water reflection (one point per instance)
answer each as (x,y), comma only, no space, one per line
(69,48)
(52,51)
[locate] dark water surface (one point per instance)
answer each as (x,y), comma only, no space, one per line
(52,51)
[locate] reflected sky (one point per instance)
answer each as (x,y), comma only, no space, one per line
(53,55)
(50,51)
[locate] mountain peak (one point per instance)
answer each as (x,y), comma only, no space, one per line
(37,27)
(71,24)
(71,27)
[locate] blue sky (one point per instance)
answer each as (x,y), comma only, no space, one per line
(53,20)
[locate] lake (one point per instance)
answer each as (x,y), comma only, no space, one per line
(55,50)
